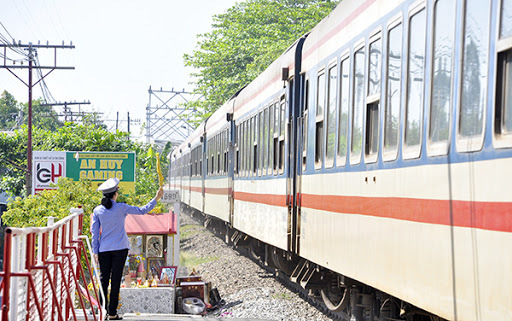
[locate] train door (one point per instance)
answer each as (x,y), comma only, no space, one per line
(300,154)
(294,152)
(231,168)
(204,169)
(290,138)
(189,176)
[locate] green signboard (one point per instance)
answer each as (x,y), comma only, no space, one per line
(100,166)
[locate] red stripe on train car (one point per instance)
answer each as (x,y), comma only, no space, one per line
(217,191)
(268,199)
(494,216)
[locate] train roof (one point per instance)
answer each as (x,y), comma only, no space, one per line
(266,84)
(344,23)
(218,119)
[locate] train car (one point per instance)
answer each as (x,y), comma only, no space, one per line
(217,191)
(370,161)
(404,153)
(262,115)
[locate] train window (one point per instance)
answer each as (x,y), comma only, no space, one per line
(506,19)
(271,139)
(441,99)
(242,149)
(503,114)
(343,112)
(250,139)
(217,154)
(276,120)
(392,111)
(373,101)
(319,120)
(254,144)
(237,142)
(264,142)
(250,145)
(305,127)
(261,130)
(282,134)
(330,135)
(415,80)
(247,148)
(221,153)
(320,94)
(207,157)
(374,67)
(276,137)
(226,150)
(357,112)
(283,116)
(474,75)
(210,157)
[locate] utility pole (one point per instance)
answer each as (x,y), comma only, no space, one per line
(32,53)
(67,110)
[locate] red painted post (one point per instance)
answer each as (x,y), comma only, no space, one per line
(7,275)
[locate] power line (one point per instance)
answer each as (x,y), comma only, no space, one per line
(31,48)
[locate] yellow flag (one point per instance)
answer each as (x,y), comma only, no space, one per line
(159,170)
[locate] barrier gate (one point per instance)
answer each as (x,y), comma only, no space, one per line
(43,278)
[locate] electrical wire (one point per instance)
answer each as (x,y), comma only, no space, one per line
(47,95)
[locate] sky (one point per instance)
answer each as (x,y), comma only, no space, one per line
(122,47)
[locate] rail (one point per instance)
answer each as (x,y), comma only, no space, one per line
(43,278)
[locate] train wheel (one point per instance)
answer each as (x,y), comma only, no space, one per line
(335,297)
(281,262)
(256,249)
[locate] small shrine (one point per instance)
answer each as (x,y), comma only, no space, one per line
(154,250)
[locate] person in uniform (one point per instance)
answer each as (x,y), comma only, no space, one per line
(110,242)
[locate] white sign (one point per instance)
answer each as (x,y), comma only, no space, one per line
(47,168)
(170,196)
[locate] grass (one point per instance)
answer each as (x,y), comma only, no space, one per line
(192,261)
(188,230)
(282,296)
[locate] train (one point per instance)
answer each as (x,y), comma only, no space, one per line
(370,162)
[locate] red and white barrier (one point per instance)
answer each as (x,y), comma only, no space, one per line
(42,271)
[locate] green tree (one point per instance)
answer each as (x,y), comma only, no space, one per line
(75,137)
(244,41)
(9,111)
(42,116)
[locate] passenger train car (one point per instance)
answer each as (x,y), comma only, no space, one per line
(371,161)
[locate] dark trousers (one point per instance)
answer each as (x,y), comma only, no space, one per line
(111,268)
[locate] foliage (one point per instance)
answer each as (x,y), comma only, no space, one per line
(9,109)
(244,41)
(42,116)
(33,210)
(76,137)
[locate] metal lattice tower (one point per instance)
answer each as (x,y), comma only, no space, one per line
(166,120)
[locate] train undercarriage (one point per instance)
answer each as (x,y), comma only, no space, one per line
(342,297)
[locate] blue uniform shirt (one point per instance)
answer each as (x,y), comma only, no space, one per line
(111,221)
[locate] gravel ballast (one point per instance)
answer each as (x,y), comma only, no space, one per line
(248,290)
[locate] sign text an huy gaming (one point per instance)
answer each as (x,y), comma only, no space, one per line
(94,166)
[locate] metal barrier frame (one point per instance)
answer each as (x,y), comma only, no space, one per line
(42,270)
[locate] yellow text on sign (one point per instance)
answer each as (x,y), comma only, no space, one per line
(104,164)
(95,175)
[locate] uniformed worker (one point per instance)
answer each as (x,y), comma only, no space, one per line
(109,240)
